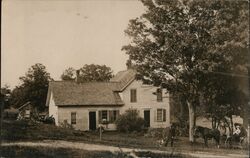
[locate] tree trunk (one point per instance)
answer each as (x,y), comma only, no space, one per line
(212,122)
(191,110)
(232,125)
(246,115)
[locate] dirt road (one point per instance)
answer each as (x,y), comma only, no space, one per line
(95,147)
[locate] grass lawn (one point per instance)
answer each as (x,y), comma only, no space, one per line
(31,152)
(41,152)
(21,131)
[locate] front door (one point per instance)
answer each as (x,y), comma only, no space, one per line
(147,118)
(92,121)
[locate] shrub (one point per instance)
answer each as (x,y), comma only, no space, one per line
(129,121)
(156,133)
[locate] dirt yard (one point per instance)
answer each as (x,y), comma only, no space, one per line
(49,135)
(113,151)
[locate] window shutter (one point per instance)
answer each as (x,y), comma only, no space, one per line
(164,115)
(111,118)
(100,116)
(135,96)
(155,115)
(117,114)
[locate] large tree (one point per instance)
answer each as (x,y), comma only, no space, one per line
(6,94)
(177,43)
(68,74)
(89,73)
(33,87)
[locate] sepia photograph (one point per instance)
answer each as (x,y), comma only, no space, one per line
(125,79)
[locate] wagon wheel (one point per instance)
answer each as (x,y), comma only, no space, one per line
(243,142)
(230,142)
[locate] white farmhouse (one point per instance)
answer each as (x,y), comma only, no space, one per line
(86,105)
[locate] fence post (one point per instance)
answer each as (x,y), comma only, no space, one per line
(100,130)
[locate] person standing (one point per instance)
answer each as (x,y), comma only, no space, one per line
(171,135)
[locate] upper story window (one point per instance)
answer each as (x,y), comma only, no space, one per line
(73,118)
(159,94)
(133,97)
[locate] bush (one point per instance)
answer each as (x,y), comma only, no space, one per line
(129,121)
(156,133)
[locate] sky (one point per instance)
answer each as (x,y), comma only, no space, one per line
(63,33)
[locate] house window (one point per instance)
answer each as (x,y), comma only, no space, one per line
(133,95)
(109,116)
(161,115)
(159,94)
(103,116)
(73,118)
(113,115)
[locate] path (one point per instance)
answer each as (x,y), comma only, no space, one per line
(96,147)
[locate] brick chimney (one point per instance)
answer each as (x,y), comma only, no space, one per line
(129,64)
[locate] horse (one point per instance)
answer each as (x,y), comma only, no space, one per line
(225,134)
(207,133)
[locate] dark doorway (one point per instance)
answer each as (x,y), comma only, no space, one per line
(92,121)
(147,118)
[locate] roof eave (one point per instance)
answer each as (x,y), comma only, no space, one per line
(85,105)
(124,87)
(48,95)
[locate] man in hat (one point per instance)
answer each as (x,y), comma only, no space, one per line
(236,133)
(171,135)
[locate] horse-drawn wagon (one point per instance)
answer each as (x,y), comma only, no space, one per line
(236,139)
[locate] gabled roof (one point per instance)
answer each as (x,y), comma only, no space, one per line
(68,93)
(124,78)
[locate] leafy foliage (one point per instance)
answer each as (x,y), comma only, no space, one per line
(33,87)
(69,74)
(191,47)
(89,73)
(129,121)
(6,95)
